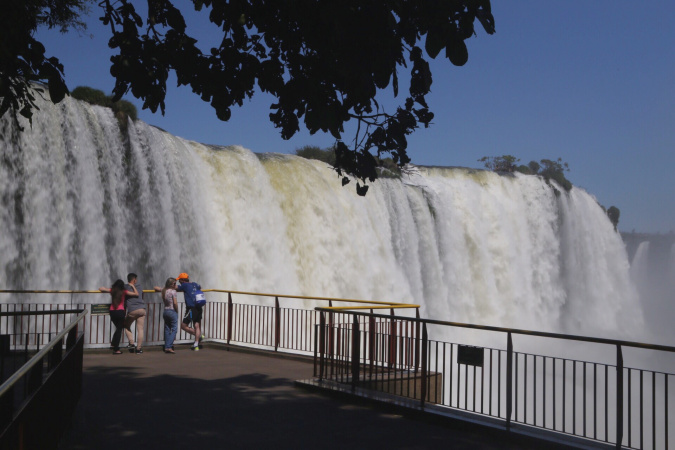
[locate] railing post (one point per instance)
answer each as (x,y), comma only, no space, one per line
(322,343)
(417,338)
(619,396)
(316,346)
(371,341)
(509,380)
(331,340)
(356,351)
(425,359)
(230,308)
(392,341)
(71,339)
(7,408)
(277,324)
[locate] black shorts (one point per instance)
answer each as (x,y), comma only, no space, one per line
(193,315)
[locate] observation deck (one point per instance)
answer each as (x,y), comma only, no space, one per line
(241,399)
(388,383)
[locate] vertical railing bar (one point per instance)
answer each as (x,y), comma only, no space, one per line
(653,409)
(516,388)
(499,383)
(630,409)
(482,387)
(490,386)
(574,397)
(554,392)
(525,389)
(509,386)
(322,341)
(606,403)
(595,401)
(619,399)
(231,320)
(425,357)
(534,391)
(316,348)
(466,387)
(583,407)
(473,400)
(665,378)
(355,351)
(452,352)
(564,396)
(436,377)
(543,396)
(642,422)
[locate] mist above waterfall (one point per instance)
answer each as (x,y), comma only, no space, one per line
(85,203)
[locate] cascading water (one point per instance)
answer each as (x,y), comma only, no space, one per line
(653,273)
(85,203)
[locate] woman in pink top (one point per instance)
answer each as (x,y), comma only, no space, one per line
(117,312)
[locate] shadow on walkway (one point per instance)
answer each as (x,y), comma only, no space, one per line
(216,399)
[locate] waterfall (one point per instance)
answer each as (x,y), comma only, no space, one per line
(85,202)
(653,273)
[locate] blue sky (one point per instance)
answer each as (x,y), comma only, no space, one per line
(590,82)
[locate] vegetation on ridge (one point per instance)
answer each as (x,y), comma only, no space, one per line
(121,108)
(546,168)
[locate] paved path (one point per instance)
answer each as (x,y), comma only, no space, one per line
(217,399)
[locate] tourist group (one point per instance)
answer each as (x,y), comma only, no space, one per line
(127,306)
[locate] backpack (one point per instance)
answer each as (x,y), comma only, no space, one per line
(200,298)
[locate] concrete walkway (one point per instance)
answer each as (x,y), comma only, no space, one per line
(217,399)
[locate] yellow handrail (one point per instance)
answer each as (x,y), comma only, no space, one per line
(374,303)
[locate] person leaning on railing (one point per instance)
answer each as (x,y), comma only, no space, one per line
(170,315)
(117,312)
(193,313)
(135,313)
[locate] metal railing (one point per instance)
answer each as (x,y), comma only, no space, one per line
(51,380)
(611,403)
(259,320)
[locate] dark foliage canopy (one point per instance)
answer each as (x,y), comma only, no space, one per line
(323,61)
(22,57)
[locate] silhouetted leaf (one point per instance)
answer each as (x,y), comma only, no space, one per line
(457,52)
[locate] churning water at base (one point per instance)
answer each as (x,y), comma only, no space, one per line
(84,203)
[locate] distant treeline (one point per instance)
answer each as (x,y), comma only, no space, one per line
(546,168)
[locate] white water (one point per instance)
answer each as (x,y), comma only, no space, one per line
(81,209)
(653,273)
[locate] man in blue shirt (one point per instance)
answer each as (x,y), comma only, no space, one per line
(193,312)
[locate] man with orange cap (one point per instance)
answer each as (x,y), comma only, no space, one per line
(193,312)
